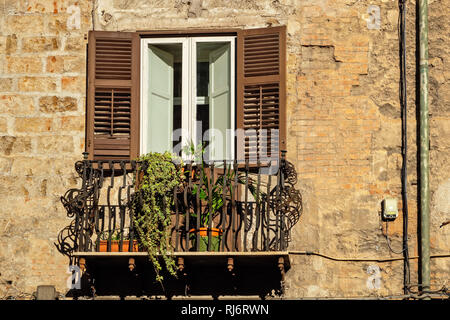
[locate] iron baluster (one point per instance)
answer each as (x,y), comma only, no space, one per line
(245,205)
(187,205)
(199,209)
(223,215)
(234,192)
(258,211)
(177,218)
(277,211)
(210,207)
(267,216)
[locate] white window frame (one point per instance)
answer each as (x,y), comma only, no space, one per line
(189,91)
(143,134)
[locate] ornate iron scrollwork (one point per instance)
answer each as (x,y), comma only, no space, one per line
(291,199)
(76,201)
(278,211)
(263,223)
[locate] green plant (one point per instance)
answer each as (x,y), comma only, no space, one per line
(151,203)
(114,235)
(212,192)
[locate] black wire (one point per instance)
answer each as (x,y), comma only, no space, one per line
(93,13)
(404,174)
(442,290)
(389,242)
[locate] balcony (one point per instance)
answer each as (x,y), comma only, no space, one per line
(242,248)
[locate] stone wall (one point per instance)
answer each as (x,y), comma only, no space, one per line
(344,130)
(42,112)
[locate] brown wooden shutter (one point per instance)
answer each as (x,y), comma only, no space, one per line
(113,95)
(261,90)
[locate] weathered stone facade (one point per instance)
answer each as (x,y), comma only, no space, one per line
(344,130)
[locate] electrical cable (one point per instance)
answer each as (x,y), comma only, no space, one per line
(389,242)
(443,290)
(310,253)
(404,173)
(93,12)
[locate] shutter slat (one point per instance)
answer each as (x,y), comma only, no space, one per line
(261,91)
(112,101)
(110,54)
(260,52)
(112,110)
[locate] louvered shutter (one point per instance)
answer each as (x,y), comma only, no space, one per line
(261,92)
(113,95)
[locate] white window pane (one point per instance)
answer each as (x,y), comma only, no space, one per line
(215,115)
(164,84)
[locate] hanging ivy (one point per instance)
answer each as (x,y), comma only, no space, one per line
(152,203)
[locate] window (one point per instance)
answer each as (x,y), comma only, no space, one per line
(158,91)
(188,91)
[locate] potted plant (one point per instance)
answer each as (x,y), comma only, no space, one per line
(115,238)
(151,204)
(211,195)
(208,211)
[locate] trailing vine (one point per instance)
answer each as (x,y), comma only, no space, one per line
(152,203)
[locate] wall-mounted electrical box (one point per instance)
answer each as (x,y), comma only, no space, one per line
(389,208)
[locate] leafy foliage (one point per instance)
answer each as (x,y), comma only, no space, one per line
(152,204)
(215,190)
(212,192)
(115,235)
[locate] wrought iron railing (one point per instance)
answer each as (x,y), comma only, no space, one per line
(260,206)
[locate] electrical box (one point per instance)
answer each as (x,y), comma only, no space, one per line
(389,207)
(46,292)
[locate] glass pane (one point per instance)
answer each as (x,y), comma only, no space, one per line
(214,99)
(177,93)
(164,95)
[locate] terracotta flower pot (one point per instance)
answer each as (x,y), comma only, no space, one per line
(115,246)
(216,238)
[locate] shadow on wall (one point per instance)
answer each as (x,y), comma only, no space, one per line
(105,277)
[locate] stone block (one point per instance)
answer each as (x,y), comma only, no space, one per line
(39,84)
(5,166)
(11,188)
(3,125)
(28,187)
(11,6)
(11,145)
(16,64)
(75,64)
(33,125)
(24,24)
(440,133)
(74,43)
(6,84)
(42,6)
(71,123)
(36,166)
(40,44)
(17,105)
(62,64)
(55,64)
(58,23)
(55,144)
(8,44)
(74,84)
(52,104)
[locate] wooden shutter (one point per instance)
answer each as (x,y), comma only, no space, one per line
(261,91)
(113,95)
